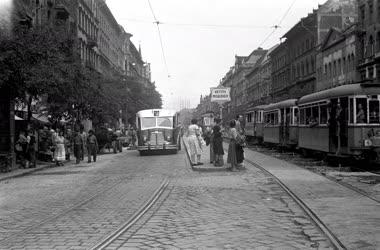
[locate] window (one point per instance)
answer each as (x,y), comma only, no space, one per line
(378,39)
(308,115)
(344,65)
(370,8)
(249,117)
(148,122)
(334,68)
(362,13)
(374,110)
(323,115)
(295,119)
(314,118)
(361,110)
(339,67)
(302,116)
(370,48)
(351,110)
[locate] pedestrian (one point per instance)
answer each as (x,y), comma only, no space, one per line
(232,157)
(240,140)
(21,148)
(194,135)
(92,146)
(134,137)
(31,149)
(60,152)
(68,143)
(218,145)
(208,137)
(78,147)
(83,134)
(114,141)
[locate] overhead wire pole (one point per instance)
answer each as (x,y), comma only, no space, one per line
(160,37)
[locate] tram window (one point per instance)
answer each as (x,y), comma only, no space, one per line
(361,110)
(314,115)
(374,111)
(351,110)
(275,118)
(295,119)
(323,114)
(168,122)
(302,116)
(308,116)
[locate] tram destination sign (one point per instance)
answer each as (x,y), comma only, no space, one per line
(220,95)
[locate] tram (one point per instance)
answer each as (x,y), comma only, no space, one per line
(158,131)
(281,123)
(342,121)
(254,124)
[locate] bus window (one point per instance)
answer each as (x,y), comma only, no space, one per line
(361,110)
(351,110)
(373,111)
(148,122)
(168,122)
(323,114)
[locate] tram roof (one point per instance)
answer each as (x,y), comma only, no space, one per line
(344,90)
(150,112)
(259,107)
(283,104)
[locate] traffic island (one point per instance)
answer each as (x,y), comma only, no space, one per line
(205,159)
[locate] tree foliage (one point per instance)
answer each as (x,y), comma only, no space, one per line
(41,64)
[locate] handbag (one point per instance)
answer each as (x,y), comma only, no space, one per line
(240,140)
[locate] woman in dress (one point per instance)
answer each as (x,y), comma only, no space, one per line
(60,154)
(218,146)
(194,146)
(231,158)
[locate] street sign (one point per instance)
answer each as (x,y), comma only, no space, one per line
(220,95)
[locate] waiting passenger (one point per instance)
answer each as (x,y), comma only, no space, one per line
(360,116)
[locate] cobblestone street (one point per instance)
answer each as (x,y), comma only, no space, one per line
(74,207)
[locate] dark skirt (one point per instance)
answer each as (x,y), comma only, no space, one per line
(231,158)
(239,154)
(218,146)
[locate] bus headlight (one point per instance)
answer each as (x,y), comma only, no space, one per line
(367,143)
(168,138)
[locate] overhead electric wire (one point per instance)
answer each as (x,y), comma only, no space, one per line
(275,27)
(159,35)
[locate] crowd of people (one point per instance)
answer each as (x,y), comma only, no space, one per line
(199,137)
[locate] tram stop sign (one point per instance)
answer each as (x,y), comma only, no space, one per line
(220,95)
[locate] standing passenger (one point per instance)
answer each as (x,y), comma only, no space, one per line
(92,146)
(194,146)
(60,153)
(232,158)
(218,145)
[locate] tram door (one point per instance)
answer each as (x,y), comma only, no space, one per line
(338,125)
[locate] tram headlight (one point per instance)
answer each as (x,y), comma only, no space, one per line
(368,143)
(145,138)
(168,138)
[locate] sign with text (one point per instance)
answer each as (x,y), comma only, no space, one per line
(220,95)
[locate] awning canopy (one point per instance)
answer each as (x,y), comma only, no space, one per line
(40,118)
(17,118)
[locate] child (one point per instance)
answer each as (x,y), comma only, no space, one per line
(218,146)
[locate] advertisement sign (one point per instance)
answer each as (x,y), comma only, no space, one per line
(220,95)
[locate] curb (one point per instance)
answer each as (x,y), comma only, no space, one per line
(27,172)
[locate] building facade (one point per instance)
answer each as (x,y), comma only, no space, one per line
(369,40)
(337,59)
(294,61)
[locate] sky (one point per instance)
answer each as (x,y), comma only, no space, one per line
(201,38)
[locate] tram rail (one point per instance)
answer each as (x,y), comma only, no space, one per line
(109,239)
(317,162)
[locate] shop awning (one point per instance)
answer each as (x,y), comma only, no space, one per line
(17,118)
(40,118)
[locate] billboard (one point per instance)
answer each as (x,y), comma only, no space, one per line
(220,94)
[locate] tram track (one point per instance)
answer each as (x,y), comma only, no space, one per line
(109,239)
(322,226)
(317,163)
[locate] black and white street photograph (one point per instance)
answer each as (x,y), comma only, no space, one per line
(189,124)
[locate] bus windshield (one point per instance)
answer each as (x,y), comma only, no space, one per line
(150,122)
(165,122)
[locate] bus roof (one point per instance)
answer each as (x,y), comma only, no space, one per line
(150,113)
(284,104)
(344,90)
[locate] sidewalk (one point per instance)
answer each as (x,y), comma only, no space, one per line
(21,172)
(352,217)
(205,158)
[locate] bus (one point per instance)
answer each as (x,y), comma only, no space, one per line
(158,131)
